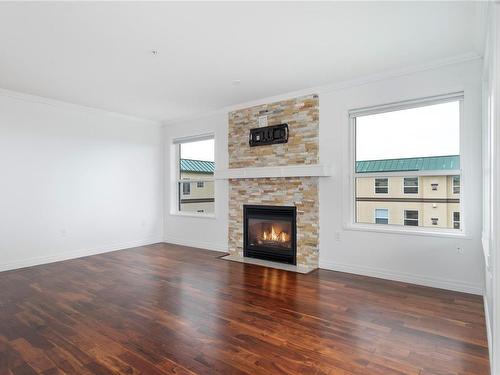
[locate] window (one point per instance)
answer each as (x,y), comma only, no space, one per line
(195,175)
(414,147)
(410,185)
(381,216)
(411,217)
(381,185)
(456,220)
(456,184)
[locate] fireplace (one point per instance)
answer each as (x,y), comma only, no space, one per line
(269,232)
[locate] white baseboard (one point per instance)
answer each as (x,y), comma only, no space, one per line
(222,248)
(404,277)
(35,261)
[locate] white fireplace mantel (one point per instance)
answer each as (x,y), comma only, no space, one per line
(306,170)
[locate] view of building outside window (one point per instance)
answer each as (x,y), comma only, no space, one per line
(196,176)
(414,180)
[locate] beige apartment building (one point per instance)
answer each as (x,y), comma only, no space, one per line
(196,194)
(422,200)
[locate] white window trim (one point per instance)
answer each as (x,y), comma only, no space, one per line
(375,185)
(175,177)
(418,185)
(349,217)
(375,215)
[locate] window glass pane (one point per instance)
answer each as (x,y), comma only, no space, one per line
(411,214)
(456,220)
(406,162)
(456,184)
(411,185)
(381,186)
(196,171)
(411,217)
(381,216)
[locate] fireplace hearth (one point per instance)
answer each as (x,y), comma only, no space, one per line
(270,233)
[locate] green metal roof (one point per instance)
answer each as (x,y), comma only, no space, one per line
(197,166)
(430,163)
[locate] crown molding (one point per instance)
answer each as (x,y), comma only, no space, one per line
(455,60)
(70,106)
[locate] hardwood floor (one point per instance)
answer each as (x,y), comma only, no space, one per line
(166,309)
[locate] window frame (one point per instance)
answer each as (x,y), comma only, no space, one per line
(188,184)
(175,173)
(198,184)
(349,184)
(453,184)
(375,216)
(418,185)
(453,221)
(375,184)
(405,218)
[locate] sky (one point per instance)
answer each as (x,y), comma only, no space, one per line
(200,150)
(425,131)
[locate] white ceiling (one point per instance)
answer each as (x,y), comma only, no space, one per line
(98,54)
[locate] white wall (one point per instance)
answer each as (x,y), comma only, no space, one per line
(75,181)
(203,232)
(427,260)
(424,260)
(491,185)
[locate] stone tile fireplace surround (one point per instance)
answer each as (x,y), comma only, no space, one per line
(287,186)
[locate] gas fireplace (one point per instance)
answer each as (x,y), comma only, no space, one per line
(269,232)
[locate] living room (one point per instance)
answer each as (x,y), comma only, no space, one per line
(254,188)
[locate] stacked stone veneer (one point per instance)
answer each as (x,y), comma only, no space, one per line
(302,116)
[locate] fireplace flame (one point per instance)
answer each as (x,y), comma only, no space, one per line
(273,235)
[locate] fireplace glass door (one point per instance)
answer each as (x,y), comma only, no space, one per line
(270,233)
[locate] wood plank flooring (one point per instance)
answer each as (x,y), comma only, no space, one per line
(166,309)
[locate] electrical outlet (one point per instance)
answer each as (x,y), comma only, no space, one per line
(337,236)
(460,250)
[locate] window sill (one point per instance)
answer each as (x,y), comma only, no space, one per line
(394,229)
(197,215)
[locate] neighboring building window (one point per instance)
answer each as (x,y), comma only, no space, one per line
(381,185)
(414,147)
(186,188)
(195,178)
(410,185)
(381,216)
(411,217)
(456,220)
(456,184)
